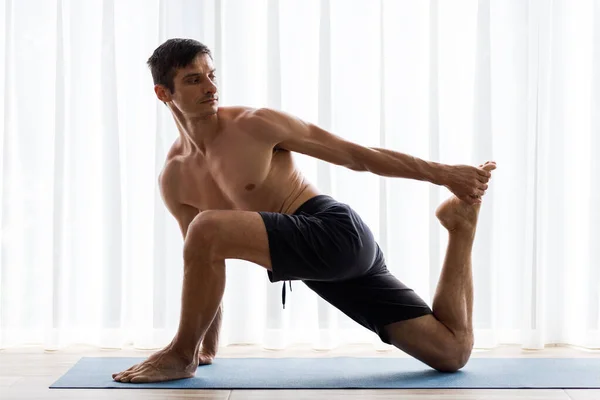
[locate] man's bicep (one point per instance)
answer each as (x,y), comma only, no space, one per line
(294,134)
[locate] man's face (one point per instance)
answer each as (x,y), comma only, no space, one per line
(196,89)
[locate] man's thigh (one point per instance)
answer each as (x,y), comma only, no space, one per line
(290,247)
(232,234)
(374,300)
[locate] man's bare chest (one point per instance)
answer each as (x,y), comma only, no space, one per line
(240,169)
(227,177)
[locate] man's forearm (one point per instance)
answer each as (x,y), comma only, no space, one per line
(391,163)
(210,343)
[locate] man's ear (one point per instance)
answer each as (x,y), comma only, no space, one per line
(162,93)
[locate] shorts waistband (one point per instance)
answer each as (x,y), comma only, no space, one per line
(315,204)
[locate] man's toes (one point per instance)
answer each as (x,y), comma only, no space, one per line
(133,367)
(127,376)
(131,376)
(143,375)
(118,376)
(140,379)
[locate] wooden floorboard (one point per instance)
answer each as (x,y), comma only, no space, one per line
(401,394)
(583,394)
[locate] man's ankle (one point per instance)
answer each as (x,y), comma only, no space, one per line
(463,232)
(184,351)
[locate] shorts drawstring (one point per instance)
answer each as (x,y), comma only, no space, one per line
(283,293)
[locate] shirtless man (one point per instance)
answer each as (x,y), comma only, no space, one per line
(230,181)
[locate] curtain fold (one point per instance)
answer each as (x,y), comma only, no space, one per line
(593,288)
(89,253)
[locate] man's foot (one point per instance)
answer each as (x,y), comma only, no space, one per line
(205,359)
(164,365)
(455,214)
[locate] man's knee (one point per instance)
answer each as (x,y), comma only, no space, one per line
(457,356)
(202,236)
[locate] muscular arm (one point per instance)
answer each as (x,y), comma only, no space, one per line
(466,182)
(296,135)
(185,214)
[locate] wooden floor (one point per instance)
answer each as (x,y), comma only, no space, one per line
(26,373)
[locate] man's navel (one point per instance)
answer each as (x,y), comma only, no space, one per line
(250,186)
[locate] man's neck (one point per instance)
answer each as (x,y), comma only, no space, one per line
(195,133)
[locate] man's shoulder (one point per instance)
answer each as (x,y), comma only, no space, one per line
(233,112)
(170,174)
(266,123)
(240,115)
(252,115)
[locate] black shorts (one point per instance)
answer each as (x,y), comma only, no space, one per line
(327,245)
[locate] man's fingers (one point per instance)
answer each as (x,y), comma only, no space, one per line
(471,200)
(484,173)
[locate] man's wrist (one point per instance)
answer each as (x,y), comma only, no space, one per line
(439,173)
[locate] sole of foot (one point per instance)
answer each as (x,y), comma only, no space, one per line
(457,215)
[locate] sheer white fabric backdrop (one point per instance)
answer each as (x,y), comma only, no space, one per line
(90,254)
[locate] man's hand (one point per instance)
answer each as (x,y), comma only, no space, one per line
(468,183)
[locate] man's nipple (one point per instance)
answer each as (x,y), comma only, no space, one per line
(250,186)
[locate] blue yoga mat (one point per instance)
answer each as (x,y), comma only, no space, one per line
(350,373)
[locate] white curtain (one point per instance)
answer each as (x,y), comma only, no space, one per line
(89,254)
